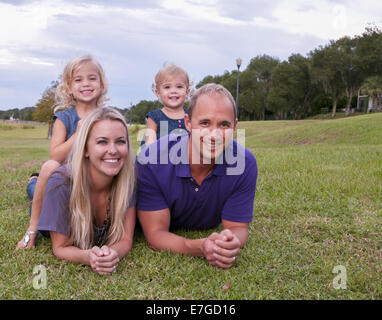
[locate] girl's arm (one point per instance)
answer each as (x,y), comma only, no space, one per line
(151,131)
(59,148)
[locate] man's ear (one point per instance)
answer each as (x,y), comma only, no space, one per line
(187,122)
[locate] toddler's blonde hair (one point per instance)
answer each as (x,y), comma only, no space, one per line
(170,69)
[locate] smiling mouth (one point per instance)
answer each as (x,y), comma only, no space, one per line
(111,160)
(87,92)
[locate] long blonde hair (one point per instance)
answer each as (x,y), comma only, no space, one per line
(64,99)
(122,190)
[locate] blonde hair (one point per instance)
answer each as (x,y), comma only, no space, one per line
(122,190)
(170,69)
(64,99)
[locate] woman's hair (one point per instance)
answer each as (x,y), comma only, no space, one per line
(169,70)
(209,89)
(122,189)
(64,99)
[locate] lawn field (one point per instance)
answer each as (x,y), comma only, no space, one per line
(318,209)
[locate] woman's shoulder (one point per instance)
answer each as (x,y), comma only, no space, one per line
(60,175)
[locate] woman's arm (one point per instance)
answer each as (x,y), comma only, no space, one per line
(107,258)
(102,260)
(63,250)
(123,246)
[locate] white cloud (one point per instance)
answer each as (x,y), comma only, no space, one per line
(133,38)
(321,18)
(200,10)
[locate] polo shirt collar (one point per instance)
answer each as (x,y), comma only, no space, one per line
(183,169)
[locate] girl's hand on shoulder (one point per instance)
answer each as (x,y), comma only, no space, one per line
(79,123)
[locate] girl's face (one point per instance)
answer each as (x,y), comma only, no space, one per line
(107,149)
(173,91)
(86,84)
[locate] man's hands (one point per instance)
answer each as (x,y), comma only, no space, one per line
(103,260)
(221,249)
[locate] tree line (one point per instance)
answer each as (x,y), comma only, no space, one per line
(328,78)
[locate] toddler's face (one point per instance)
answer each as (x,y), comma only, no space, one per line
(172,91)
(86,84)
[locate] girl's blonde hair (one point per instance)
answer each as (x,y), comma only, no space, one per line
(81,226)
(170,70)
(64,99)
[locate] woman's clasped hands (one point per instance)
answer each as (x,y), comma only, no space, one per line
(103,260)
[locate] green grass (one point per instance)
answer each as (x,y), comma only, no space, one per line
(318,205)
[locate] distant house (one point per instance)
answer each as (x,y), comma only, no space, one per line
(373,103)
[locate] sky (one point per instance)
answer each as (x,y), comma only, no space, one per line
(132,39)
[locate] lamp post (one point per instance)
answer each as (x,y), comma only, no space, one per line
(238,63)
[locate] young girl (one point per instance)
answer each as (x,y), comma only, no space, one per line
(89,203)
(82,89)
(172,86)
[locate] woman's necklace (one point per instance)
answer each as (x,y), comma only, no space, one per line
(106,225)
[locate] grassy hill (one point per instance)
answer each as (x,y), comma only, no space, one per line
(318,206)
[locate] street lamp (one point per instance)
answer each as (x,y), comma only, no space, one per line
(238,63)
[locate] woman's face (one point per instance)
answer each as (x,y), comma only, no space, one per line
(107,148)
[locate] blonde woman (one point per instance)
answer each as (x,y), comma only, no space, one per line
(89,203)
(82,89)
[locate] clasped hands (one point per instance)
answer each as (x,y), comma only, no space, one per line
(103,260)
(221,249)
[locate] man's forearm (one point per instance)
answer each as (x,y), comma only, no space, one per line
(165,240)
(241,233)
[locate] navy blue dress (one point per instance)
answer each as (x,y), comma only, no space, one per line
(175,126)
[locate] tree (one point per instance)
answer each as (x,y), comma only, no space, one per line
(326,70)
(369,50)
(287,94)
(137,113)
(44,107)
(349,66)
(260,68)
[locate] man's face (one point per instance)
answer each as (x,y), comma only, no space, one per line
(211,127)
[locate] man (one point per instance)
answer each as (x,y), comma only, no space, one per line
(190,182)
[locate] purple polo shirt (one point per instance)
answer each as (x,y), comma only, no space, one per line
(226,193)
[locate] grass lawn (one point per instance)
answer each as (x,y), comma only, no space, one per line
(318,205)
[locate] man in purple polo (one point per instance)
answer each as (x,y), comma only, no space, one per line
(198,181)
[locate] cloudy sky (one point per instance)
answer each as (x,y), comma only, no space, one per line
(133,38)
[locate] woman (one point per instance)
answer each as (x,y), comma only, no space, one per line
(89,206)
